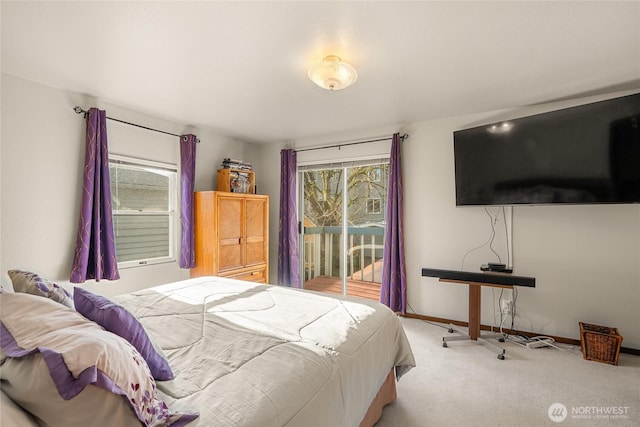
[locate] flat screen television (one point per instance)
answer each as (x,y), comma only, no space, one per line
(587,154)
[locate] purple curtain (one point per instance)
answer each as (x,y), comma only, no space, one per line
(393,291)
(288,256)
(95,256)
(187,178)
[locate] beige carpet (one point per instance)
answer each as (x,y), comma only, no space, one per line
(466,385)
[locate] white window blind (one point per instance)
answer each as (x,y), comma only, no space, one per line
(143,196)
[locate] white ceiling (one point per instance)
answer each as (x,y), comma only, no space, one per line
(240,67)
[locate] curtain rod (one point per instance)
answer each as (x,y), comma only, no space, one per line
(402,137)
(79,110)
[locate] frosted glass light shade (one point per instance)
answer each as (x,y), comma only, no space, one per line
(332,73)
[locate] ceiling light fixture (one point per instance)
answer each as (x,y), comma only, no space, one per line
(332,73)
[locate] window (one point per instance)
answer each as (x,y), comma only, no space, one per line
(374,206)
(143,198)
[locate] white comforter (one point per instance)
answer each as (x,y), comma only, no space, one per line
(246,354)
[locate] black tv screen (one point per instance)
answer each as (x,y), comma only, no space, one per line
(585,154)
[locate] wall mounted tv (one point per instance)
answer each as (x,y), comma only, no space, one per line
(581,155)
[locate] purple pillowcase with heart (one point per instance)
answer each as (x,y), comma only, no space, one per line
(116,319)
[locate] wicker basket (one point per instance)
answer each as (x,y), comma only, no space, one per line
(600,343)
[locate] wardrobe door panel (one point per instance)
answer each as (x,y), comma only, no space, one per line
(230,235)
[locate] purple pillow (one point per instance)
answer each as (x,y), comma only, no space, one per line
(116,319)
(31,283)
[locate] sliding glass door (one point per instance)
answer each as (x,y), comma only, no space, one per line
(343,210)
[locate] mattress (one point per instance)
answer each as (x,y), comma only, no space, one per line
(246,354)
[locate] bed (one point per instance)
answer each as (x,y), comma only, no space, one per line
(246,354)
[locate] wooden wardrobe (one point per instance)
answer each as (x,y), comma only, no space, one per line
(231,235)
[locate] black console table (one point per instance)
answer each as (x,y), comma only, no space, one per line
(476,281)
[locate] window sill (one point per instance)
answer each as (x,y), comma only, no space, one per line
(145,263)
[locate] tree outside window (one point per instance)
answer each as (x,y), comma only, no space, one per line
(324,200)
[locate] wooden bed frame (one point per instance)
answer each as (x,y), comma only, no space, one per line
(386,395)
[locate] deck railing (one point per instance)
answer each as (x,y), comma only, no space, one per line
(324,246)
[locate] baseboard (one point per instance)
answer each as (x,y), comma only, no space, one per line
(563,340)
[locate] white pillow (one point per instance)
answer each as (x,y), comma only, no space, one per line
(13,415)
(28,381)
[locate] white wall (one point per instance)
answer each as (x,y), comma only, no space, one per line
(586,259)
(41,173)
